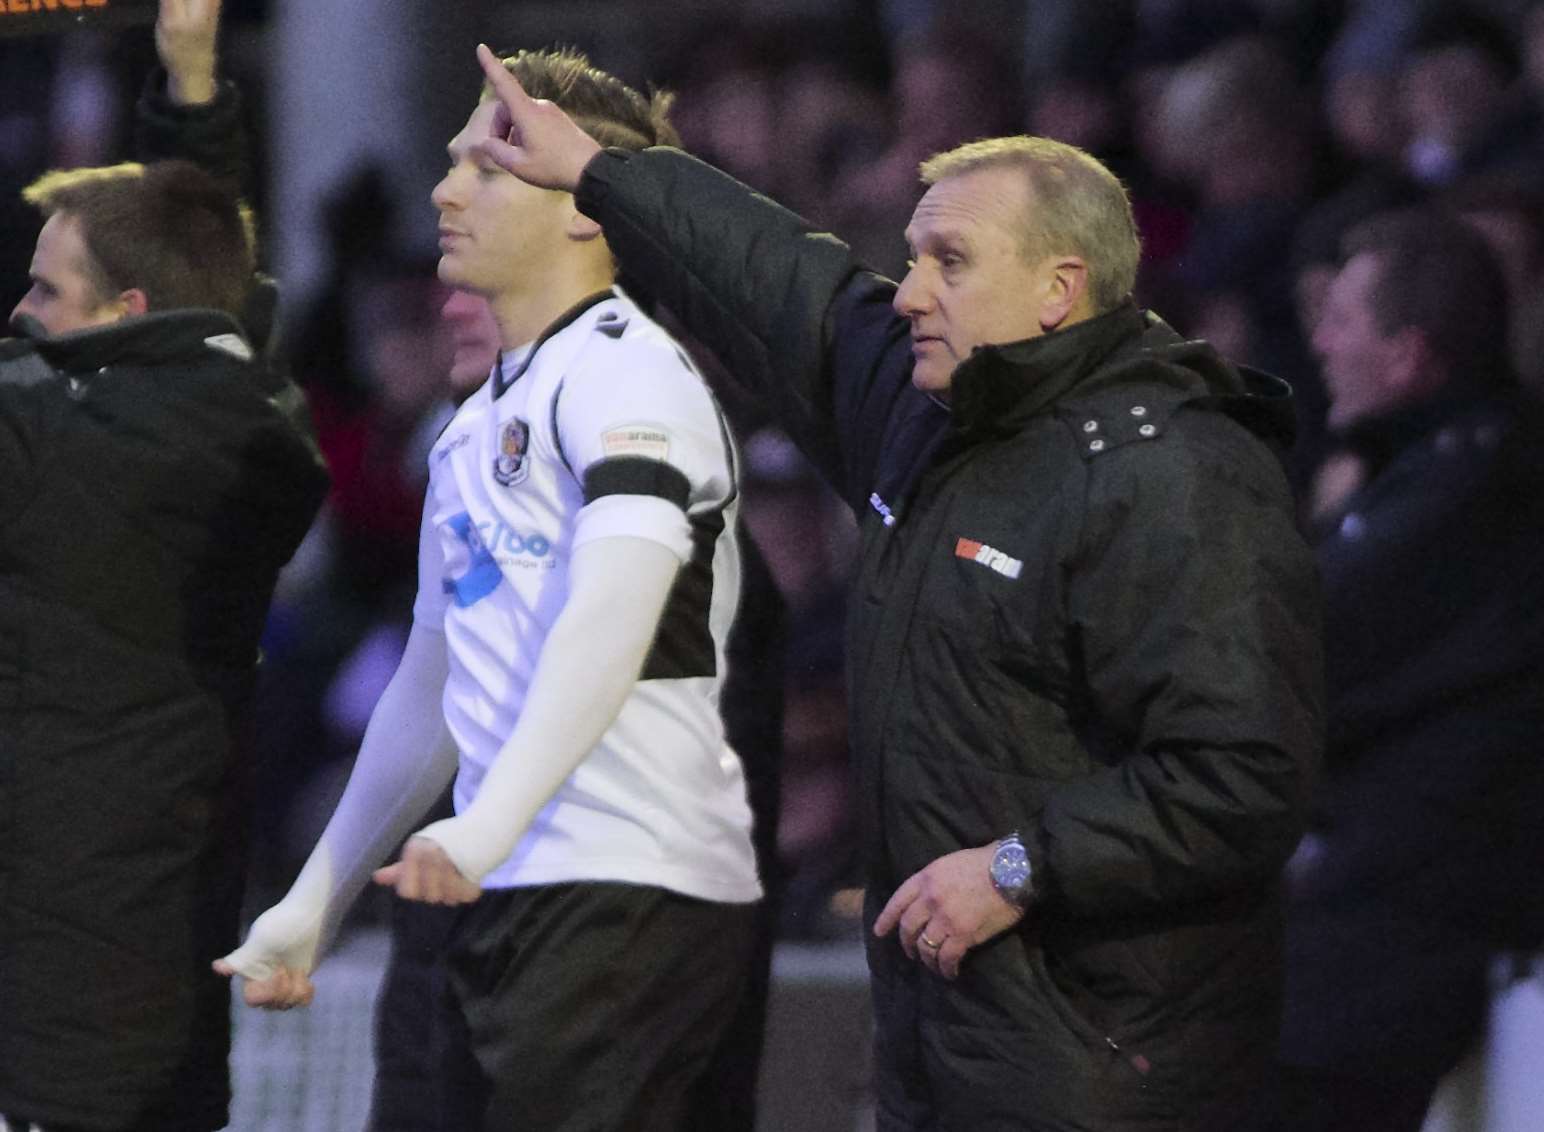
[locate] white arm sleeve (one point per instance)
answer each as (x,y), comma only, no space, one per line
(405,761)
(618,587)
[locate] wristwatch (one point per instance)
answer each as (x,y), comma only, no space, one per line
(1012,874)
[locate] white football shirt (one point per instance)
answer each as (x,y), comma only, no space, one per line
(603,415)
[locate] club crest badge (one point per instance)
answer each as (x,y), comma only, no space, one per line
(512,464)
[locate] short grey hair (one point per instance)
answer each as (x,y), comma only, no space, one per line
(1078,207)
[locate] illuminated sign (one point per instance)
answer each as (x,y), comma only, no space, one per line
(55,17)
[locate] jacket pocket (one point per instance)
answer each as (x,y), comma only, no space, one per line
(1136,1053)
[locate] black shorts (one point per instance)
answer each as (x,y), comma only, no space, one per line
(585,1007)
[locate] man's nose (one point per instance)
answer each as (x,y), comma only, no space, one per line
(1319,341)
(444,194)
(913,296)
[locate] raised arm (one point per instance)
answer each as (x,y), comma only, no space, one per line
(186,110)
(185,35)
(786,308)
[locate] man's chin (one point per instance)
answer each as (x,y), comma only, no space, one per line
(452,273)
(929,380)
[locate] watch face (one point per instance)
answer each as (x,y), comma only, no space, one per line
(1010,869)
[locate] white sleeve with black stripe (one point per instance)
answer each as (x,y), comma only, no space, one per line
(641,432)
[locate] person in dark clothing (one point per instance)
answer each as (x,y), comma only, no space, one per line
(1421,857)
(154,482)
(1085,658)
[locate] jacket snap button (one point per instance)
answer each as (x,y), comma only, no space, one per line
(1090,426)
(1139,410)
(1096,446)
(1148,430)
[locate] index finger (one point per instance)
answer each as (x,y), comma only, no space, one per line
(897,904)
(504,84)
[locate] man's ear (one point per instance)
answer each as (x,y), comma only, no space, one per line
(1412,371)
(582,228)
(1064,292)
(133,301)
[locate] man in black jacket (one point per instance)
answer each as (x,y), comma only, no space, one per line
(1084,662)
(1424,844)
(152,483)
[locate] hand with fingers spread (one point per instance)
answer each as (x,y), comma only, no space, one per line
(277,958)
(946,909)
(426,873)
(531,137)
(185,36)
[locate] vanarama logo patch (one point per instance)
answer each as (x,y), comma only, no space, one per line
(648,441)
(990,557)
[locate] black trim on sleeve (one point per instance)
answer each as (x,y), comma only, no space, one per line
(683,645)
(636,475)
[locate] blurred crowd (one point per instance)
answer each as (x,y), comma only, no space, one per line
(1253,136)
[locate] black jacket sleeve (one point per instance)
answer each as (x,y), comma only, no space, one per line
(786,308)
(1193,601)
(209,135)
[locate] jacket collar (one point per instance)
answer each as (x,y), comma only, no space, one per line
(158,338)
(998,388)
(1378,440)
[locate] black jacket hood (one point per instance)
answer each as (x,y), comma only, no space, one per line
(157,338)
(999,387)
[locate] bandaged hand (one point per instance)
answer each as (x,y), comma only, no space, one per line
(278,956)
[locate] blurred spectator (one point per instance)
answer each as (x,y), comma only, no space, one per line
(807,538)
(1509,214)
(947,87)
(1235,126)
(828,123)
(1463,108)
(726,109)
(1423,850)
(1069,36)
(788,107)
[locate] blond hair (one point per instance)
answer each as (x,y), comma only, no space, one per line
(1077,206)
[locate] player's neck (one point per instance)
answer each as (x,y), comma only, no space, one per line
(523,313)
